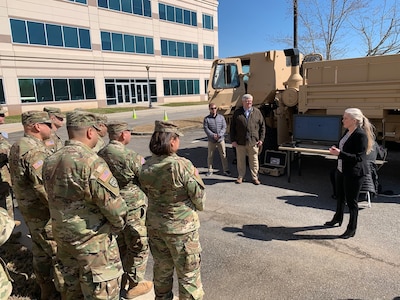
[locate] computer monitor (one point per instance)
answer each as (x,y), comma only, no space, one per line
(317,129)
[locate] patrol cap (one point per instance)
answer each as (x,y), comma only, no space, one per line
(162,126)
(2,110)
(118,127)
(101,119)
(54,111)
(78,118)
(33,117)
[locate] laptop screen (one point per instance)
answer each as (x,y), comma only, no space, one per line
(317,129)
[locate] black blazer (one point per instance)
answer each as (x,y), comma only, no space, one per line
(353,155)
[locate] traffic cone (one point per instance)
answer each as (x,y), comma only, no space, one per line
(165,116)
(134,114)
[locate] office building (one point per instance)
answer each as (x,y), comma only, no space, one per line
(99,53)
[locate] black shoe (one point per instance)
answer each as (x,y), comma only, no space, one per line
(333,223)
(348,234)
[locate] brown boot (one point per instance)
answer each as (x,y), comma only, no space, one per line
(141,288)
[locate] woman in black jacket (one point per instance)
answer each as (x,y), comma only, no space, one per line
(355,144)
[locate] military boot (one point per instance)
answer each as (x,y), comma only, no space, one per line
(141,288)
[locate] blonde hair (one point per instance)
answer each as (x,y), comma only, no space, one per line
(365,124)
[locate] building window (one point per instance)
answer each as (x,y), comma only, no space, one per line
(208,22)
(78,1)
(47,89)
(36,33)
(119,42)
(180,49)
(2,97)
(206,86)
(137,7)
(177,15)
(208,52)
(128,91)
(175,87)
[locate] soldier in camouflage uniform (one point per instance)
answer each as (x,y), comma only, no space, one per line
(54,143)
(87,211)
(6,200)
(175,193)
(6,227)
(126,164)
(26,162)
(102,125)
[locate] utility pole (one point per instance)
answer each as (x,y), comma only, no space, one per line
(294,23)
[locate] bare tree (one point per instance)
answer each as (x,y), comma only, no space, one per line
(380,29)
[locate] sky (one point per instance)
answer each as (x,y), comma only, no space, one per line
(247,26)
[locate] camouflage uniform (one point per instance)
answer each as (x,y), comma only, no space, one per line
(175,192)
(126,164)
(6,200)
(101,120)
(6,227)
(26,162)
(54,143)
(86,209)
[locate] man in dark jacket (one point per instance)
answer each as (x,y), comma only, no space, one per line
(214,126)
(247,135)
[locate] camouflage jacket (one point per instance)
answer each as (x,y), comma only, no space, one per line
(175,192)
(100,144)
(85,206)
(54,143)
(125,164)
(26,162)
(4,153)
(6,227)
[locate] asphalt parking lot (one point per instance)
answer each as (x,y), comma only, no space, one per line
(268,242)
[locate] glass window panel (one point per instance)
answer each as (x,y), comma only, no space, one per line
(182,87)
(2,98)
(43,90)
(137,7)
(114,4)
(36,33)
(60,89)
(196,87)
(129,41)
(90,91)
(54,35)
(162,12)
(194,18)
(179,15)
(84,39)
(18,31)
(81,1)
(171,13)
(186,17)
(147,8)
(126,6)
(26,90)
(195,51)
(76,88)
(117,42)
(140,47)
(171,48)
(102,3)
(167,88)
(188,50)
(105,40)
(110,91)
(71,37)
(164,47)
(181,49)
(149,46)
(190,87)
(174,87)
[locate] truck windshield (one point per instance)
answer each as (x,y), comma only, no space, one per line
(225,76)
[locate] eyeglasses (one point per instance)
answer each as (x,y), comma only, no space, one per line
(2,115)
(213,108)
(48,124)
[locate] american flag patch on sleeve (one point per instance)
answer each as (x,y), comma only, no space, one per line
(38,164)
(105,175)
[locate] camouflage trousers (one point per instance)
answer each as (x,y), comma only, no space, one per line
(179,251)
(133,245)
(84,275)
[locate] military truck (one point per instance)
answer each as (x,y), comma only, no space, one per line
(286,84)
